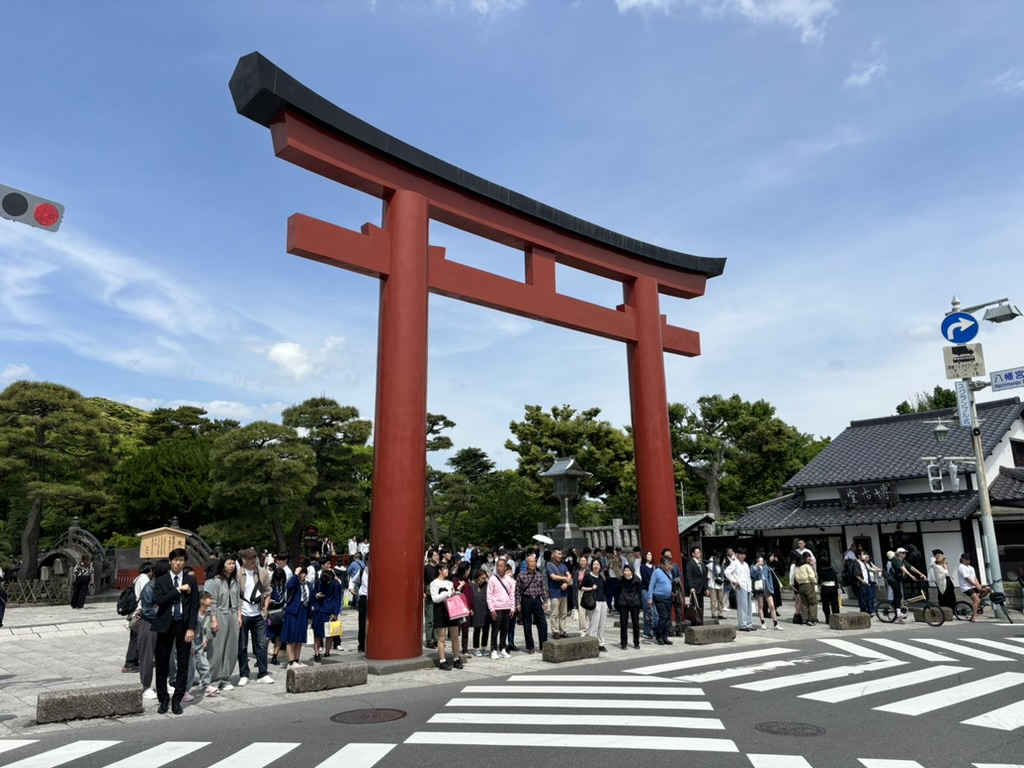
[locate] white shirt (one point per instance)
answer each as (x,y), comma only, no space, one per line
(140,581)
(739,573)
(364,548)
(252,580)
(964,575)
(353,547)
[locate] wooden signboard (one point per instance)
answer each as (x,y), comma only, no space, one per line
(160,542)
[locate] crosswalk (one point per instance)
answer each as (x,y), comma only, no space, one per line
(798,761)
(883,672)
(256,755)
(662,707)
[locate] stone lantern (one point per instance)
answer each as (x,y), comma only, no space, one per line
(566,473)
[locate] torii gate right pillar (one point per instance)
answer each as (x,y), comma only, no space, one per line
(652,440)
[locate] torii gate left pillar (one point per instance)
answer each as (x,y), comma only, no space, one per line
(417,188)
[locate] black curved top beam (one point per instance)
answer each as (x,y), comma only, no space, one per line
(261,90)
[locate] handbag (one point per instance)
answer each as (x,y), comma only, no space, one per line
(588,600)
(759,585)
(275,618)
(692,612)
(332,628)
(456,605)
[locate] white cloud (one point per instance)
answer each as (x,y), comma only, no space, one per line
(15,372)
(489,8)
(300,363)
(1011,81)
(868,71)
(217,409)
(806,16)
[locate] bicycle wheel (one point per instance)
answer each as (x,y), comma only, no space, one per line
(886,611)
(933,615)
(963,610)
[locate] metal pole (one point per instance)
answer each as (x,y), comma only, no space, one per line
(988,529)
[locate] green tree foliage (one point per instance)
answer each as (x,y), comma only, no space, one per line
(939,398)
(436,424)
(339,500)
(54,449)
(507,512)
(601,449)
(262,476)
(736,453)
(458,492)
(166,480)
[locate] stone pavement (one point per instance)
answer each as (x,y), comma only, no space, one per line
(46,648)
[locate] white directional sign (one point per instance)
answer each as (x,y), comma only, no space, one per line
(963,404)
(1008,379)
(964,361)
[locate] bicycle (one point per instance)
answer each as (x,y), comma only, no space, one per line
(964,609)
(933,614)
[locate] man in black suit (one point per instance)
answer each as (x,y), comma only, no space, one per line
(176,597)
(696,578)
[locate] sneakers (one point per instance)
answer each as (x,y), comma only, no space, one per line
(130,668)
(762,625)
(506,655)
(295,664)
(265,680)
(457,664)
(188,698)
(211,690)
(495,656)
(227,687)
(243,681)
(478,653)
(149,693)
(777,626)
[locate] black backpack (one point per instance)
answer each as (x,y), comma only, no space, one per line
(127,602)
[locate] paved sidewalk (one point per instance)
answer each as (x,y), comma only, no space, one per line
(46,648)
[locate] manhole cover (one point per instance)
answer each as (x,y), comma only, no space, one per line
(368,716)
(790,729)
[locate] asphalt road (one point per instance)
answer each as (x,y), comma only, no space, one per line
(948,696)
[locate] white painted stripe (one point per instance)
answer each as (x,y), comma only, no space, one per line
(869,687)
(707,661)
(357,755)
(159,755)
(731,672)
(930,702)
(778,761)
(532,703)
(994,644)
(1008,718)
(917,653)
(889,763)
(577,741)
(587,679)
(1015,640)
(625,721)
(255,755)
(7,746)
(586,689)
(996,765)
(73,751)
(857,650)
(974,653)
(816,677)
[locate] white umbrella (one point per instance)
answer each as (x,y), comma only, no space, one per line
(543,539)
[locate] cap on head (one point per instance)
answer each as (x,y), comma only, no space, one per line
(247,553)
(901,550)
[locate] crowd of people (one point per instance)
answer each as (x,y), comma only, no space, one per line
(184,638)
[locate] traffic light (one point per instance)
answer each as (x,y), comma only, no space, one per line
(30,209)
(935,478)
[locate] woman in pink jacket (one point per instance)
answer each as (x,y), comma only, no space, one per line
(501,601)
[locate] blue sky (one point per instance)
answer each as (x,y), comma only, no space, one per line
(857,163)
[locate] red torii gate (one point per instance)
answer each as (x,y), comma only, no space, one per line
(416,188)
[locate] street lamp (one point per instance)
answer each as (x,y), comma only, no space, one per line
(567,474)
(997,311)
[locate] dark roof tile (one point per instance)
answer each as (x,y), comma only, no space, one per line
(793,512)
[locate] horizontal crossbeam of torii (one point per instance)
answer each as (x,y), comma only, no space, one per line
(416,188)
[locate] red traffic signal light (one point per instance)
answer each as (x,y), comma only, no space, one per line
(30,209)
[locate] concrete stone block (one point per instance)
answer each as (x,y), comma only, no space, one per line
(571,649)
(86,703)
(322,677)
(849,621)
(919,614)
(710,633)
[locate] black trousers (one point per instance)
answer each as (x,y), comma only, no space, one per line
(79,591)
(172,641)
(361,608)
(533,612)
(500,633)
(131,658)
(632,613)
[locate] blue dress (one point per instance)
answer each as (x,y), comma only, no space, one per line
(329,606)
(296,612)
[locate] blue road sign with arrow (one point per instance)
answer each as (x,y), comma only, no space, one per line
(959,328)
